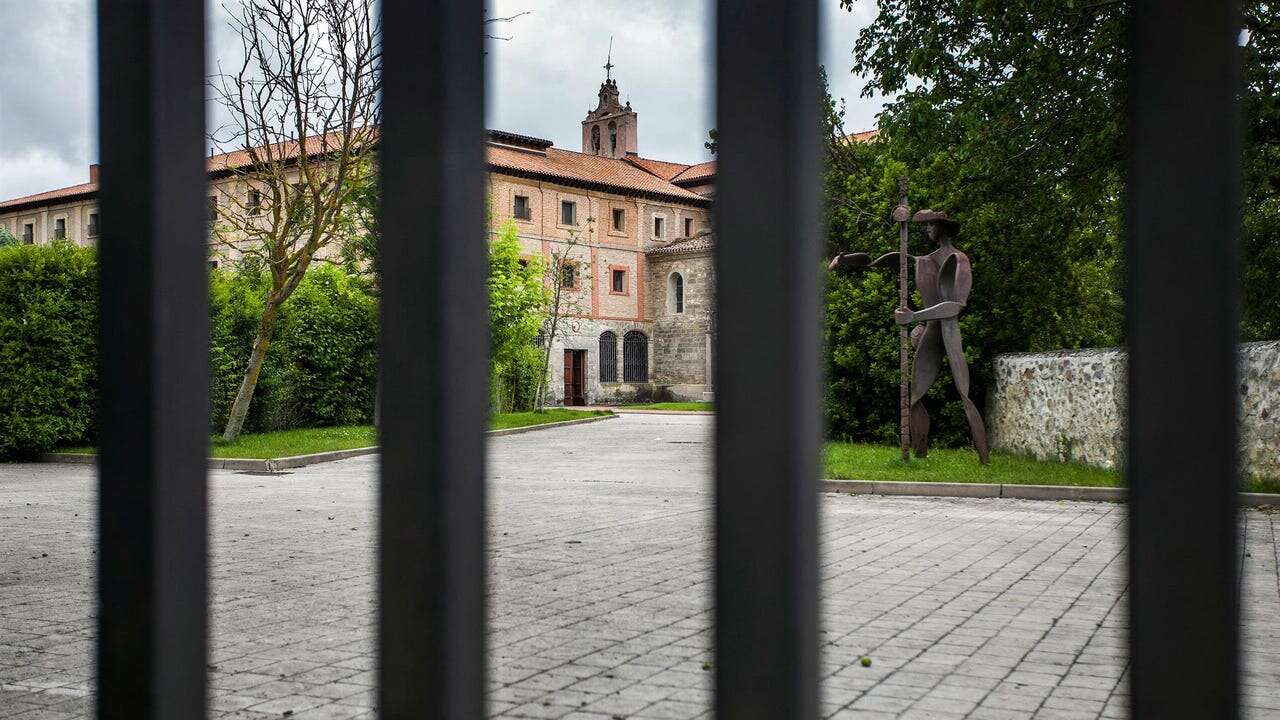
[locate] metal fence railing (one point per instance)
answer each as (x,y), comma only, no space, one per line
(1183,285)
(152,572)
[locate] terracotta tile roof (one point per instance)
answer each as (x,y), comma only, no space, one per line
(220,163)
(315,144)
(517,154)
(49,196)
(661,168)
(696,173)
(701,242)
(862,136)
(589,170)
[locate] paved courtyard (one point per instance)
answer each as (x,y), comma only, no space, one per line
(599,547)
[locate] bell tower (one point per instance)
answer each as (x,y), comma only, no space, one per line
(610,129)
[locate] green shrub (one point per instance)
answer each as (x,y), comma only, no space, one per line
(235,304)
(7,238)
(329,353)
(321,366)
(48,348)
(320,370)
(515,383)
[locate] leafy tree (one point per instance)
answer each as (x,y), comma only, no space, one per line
(1007,116)
(1011,116)
(1261,227)
(517,297)
(7,238)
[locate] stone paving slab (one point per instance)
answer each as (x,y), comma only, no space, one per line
(599,555)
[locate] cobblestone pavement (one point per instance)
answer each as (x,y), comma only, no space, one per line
(995,609)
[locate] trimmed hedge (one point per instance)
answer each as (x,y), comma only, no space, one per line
(48,347)
(321,367)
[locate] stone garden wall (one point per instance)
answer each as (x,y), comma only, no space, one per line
(1070,405)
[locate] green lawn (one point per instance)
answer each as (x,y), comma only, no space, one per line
(686,406)
(304,441)
(858,461)
(1263,485)
(549,415)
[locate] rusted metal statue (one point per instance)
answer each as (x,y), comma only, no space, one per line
(944,278)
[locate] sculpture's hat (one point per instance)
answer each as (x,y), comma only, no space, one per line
(926,215)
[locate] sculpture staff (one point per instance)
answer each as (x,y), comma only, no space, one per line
(944,279)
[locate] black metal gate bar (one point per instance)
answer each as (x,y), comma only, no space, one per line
(767,430)
(434,375)
(153,420)
(1182,315)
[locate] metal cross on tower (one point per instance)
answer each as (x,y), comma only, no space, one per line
(608,63)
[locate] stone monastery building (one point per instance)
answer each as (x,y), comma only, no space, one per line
(638,315)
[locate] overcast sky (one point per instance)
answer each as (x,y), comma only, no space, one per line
(542,81)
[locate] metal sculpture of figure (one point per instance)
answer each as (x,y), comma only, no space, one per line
(944,279)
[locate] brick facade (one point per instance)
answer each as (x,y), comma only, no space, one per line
(663,218)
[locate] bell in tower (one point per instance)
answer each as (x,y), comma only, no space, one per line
(610,129)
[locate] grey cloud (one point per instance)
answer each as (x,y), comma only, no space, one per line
(544,80)
(46,98)
(541,82)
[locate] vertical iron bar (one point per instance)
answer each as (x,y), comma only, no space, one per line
(904,333)
(434,344)
(153,419)
(768,428)
(1183,223)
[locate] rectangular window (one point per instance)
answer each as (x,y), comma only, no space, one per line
(28,234)
(619,281)
(93,225)
(688,227)
(521,209)
(60,229)
(254,202)
(658,226)
(568,275)
(619,219)
(568,213)
(213,208)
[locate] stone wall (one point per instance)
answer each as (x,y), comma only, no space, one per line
(680,353)
(1070,405)
(584,334)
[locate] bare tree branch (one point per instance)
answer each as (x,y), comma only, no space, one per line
(304,107)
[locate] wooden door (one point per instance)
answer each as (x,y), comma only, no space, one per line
(568,377)
(575,372)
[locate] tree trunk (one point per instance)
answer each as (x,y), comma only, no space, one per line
(244,396)
(540,397)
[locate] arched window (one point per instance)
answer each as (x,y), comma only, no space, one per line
(675,293)
(613,138)
(595,139)
(608,357)
(635,357)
